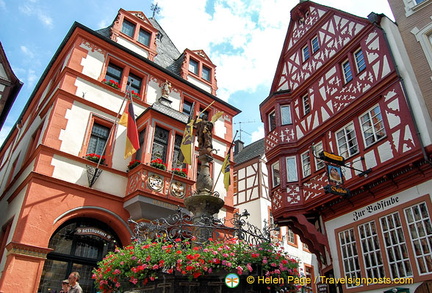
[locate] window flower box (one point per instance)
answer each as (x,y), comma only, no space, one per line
(111,83)
(135,94)
(133,164)
(158,163)
(180,172)
(95,158)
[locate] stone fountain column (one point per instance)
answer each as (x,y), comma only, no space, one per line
(203,204)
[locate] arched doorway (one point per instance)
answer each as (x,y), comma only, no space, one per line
(78,245)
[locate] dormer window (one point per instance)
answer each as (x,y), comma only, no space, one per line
(193,66)
(206,73)
(128,28)
(144,37)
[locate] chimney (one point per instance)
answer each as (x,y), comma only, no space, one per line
(238,146)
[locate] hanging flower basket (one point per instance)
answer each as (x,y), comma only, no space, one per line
(111,83)
(95,158)
(133,164)
(180,172)
(140,263)
(158,163)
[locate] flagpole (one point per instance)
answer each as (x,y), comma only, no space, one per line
(228,155)
(92,181)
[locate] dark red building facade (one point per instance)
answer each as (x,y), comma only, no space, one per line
(349,162)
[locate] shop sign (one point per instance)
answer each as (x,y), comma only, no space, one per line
(94,232)
(335,189)
(375,207)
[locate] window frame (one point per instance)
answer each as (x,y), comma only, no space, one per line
(208,73)
(318,147)
(111,76)
(164,143)
(306,104)
(288,111)
(192,63)
(375,136)
(315,44)
(347,141)
(359,62)
(147,37)
(275,174)
(294,178)
(306,53)
(132,24)
(190,104)
(306,164)
(347,71)
(271,119)
(109,146)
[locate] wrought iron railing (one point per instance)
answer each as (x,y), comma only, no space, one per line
(183,225)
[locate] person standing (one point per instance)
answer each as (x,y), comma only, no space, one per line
(74,286)
(65,286)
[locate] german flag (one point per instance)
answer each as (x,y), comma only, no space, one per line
(128,120)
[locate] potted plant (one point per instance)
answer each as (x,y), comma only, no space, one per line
(133,164)
(180,171)
(95,158)
(111,83)
(158,163)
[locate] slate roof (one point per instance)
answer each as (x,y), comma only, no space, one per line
(170,112)
(168,56)
(251,151)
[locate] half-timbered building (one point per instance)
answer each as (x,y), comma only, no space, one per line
(347,142)
(251,194)
(62,209)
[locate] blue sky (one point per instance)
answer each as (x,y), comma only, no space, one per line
(242,37)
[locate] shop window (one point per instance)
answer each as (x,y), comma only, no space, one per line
(372,126)
(128,28)
(275,174)
(396,248)
(160,144)
(347,141)
(77,246)
(350,258)
(371,250)
(420,229)
(286,115)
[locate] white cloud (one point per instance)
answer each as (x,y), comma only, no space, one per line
(31,9)
(258,134)
(26,51)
